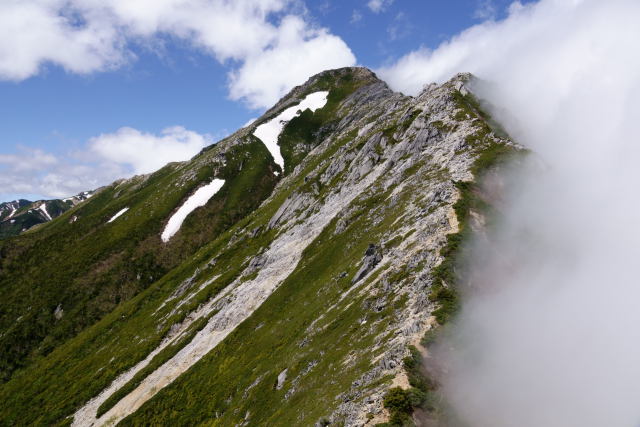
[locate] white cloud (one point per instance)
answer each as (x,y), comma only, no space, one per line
(104,159)
(44,31)
(85,36)
(61,178)
(28,159)
(145,152)
(550,339)
(377,6)
(297,53)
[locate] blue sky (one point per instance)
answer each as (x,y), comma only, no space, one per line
(50,115)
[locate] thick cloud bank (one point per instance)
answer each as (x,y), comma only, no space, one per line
(550,335)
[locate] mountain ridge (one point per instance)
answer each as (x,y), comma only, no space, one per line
(342,264)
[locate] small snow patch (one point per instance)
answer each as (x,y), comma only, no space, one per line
(282,377)
(269,132)
(120,212)
(197,199)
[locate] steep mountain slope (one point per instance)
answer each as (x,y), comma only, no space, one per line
(74,270)
(299,308)
(21,215)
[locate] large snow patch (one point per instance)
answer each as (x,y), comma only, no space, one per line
(269,132)
(197,199)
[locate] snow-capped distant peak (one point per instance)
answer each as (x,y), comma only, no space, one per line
(80,197)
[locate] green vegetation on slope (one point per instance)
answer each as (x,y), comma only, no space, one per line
(400,402)
(87,267)
(79,370)
(238,377)
(166,354)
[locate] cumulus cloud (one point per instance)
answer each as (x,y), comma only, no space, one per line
(547,335)
(62,177)
(47,31)
(146,152)
(85,36)
(297,53)
(104,159)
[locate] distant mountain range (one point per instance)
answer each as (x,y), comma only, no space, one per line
(21,215)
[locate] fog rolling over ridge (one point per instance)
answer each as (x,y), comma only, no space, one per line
(551,334)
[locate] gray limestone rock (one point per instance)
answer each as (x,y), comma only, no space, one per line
(372,257)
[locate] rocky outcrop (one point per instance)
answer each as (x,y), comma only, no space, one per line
(372,257)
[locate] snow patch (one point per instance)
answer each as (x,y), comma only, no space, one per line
(197,199)
(269,132)
(120,212)
(282,377)
(43,209)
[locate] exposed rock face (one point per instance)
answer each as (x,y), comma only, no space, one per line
(372,257)
(311,302)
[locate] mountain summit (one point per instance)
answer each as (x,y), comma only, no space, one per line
(283,276)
